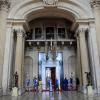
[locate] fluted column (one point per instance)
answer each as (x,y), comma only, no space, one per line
(7,59)
(23,56)
(19,57)
(4,4)
(79,67)
(95,4)
(95,64)
(84,57)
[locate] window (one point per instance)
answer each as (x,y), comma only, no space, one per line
(61,32)
(38,33)
(50,33)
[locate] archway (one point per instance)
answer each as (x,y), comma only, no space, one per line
(26,8)
(27,11)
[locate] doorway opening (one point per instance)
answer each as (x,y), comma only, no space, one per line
(51,69)
(51,74)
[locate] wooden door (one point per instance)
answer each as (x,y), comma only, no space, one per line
(53,77)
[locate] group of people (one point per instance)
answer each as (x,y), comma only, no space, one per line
(34,84)
(51,85)
(71,84)
(67,84)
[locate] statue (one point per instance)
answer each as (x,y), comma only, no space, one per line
(16,79)
(89,79)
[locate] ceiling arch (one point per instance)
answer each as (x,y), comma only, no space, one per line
(28,10)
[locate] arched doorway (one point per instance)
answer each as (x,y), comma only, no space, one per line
(51,69)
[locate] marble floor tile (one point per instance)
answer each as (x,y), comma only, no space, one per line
(52,96)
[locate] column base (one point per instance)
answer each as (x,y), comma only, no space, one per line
(6,92)
(88,90)
(21,91)
(1,92)
(83,89)
(97,91)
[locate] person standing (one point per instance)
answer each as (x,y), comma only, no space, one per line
(40,85)
(57,84)
(50,87)
(65,84)
(27,84)
(36,84)
(77,83)
(71,83)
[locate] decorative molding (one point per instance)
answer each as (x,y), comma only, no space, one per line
(50,3)
(4,4)
(95,3)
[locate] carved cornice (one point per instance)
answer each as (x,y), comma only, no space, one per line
(95,3)
(4,4)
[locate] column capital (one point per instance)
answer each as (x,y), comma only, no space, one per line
(4,4)
(81,30)
(19,32)
(95,3)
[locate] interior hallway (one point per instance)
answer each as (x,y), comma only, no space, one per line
(52,96)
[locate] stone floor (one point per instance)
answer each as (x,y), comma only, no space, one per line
(52,96)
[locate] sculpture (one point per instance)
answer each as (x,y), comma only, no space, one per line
(16,79)
(89,79)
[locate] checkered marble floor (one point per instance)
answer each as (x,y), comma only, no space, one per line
(52,96)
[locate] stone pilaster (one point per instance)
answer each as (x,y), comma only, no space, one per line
(4,5)
(84,57)
(19,58)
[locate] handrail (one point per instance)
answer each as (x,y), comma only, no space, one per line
(54,40)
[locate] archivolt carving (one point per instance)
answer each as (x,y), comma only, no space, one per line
(95,3)
(4,4)
(50,2)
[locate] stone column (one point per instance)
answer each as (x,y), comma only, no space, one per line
(79,67)
(96,9)
(95,64)
(3,15)
(19,58)
(23,56)
(84,57)
(95,4)
(7,59)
